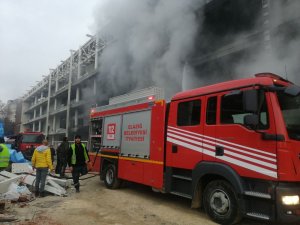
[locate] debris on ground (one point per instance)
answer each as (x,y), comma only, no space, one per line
(27,177)
(18,186)
(7,218)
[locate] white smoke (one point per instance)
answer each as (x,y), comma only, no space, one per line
(282,56)
(151,40)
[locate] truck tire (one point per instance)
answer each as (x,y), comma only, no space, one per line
(220,202)
(110,177)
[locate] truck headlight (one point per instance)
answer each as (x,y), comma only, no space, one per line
(290,200)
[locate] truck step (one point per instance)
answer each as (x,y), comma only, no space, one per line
(258,215)
(258,194)
(182,177)
(181,194)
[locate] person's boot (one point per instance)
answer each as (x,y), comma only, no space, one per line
(77,187)
(42,194)
(36,194)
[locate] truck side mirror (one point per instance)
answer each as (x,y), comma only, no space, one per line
(250,101)
(251,120)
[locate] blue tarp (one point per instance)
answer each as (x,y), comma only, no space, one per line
(16,157)
(1,130)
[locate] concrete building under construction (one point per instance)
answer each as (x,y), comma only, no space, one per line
(230,31)
(56,105)
(237,38)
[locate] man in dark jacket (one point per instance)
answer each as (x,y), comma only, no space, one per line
(62,157)
(77,159)
(52,149)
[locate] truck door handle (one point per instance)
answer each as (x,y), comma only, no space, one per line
(219,150)
(174,149)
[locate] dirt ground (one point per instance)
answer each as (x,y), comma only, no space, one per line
(95,204)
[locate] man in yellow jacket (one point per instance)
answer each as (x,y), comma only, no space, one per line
(42,162)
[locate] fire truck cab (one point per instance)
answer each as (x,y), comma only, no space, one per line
(27,141)
(232,148)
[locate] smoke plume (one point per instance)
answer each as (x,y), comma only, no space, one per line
(281,51)
(149,43)
(177,44)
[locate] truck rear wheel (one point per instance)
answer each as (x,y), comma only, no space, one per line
(110,178)
(220,202)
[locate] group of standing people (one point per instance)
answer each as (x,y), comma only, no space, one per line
(74,155)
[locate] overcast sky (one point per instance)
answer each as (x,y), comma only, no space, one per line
(35,35)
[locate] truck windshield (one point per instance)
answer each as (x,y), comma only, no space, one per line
(290,107)
(32,138)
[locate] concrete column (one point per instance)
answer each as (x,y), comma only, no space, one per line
(34,113)
(56,83)
(48,106)
(40,126)
(55,104)
(76,118)
(95,87)
(96,51)
(35,99)
(42,94)
(69,95)
(77,94)
(79,63)
(54,123)
(266,24)
(33,126)
(41,110)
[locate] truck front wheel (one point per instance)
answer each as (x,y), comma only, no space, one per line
(220,202)
(110,178)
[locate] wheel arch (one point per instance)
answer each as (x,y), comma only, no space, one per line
(205,172)
(104,163)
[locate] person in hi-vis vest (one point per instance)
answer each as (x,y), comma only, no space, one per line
(4,155)
(77,159)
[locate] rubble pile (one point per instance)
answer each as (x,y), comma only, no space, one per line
(18,187)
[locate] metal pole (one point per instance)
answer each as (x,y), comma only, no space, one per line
(48,106)
(96,51)
(69,95)
(79,63)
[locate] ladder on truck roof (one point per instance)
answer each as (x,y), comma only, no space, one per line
(135,97)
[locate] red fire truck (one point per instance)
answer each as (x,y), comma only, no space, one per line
(233,148)
(27,141)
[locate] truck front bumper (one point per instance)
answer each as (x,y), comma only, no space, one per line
(288,213)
